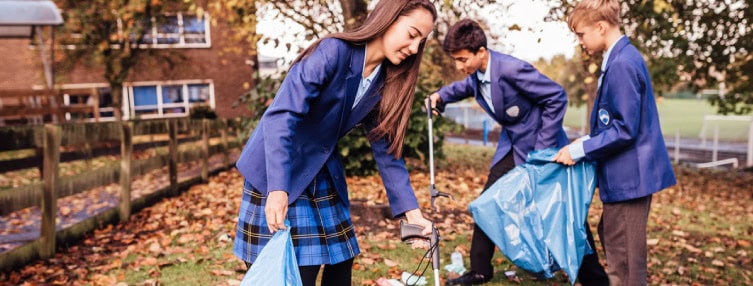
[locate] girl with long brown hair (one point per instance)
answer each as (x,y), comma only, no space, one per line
(291,168)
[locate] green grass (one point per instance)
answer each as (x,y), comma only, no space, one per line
(685,115)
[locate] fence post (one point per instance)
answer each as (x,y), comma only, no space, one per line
(677,146)
(465,122)
(172,130)
(126,150)
(714,154)
(750,145)
(204,150)
(223,135)
(52,140)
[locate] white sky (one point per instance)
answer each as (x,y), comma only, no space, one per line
(536,38)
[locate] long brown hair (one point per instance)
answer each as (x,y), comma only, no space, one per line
(400,80)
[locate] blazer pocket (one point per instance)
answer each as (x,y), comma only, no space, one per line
(621,172)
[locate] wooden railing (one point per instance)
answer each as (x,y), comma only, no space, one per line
(48,140)
(41,106)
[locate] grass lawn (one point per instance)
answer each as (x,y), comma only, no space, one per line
(685,115)
(699,233)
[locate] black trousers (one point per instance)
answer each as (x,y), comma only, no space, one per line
(482,248)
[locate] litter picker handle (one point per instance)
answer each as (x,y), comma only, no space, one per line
(411,231)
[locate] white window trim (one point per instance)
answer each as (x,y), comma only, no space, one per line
(128,90)
(154,45)
(66,98)
(127,104)
(182,40)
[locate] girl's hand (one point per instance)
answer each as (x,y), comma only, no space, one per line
(414,216)
(276,210)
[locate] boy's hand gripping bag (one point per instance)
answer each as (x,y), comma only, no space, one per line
(276,264)
(536,214)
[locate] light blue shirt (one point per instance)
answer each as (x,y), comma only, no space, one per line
(365,82)
(576,149)
(485,83)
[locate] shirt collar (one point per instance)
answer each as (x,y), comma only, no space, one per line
(486,76)
(373,74)
(609,52)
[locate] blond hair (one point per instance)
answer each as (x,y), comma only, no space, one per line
(592,11)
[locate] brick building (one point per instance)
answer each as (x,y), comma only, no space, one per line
(193,63)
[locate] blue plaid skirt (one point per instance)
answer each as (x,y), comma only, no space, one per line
(320,225)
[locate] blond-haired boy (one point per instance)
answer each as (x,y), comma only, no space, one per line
(625,141)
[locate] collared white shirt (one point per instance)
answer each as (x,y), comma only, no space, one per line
(485,83)
(365,82)
(605,58)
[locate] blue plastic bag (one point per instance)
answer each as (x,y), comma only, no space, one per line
(276,264)
(536,214)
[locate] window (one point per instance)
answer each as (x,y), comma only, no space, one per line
(79,95)
(170,99)
(176,31)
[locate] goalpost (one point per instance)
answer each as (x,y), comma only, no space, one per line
(740,127)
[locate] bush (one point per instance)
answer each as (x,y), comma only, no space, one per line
(201,112)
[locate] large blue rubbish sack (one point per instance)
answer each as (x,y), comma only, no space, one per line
(276,264)
(536,214)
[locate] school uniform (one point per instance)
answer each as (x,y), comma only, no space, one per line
(293,149)
(530,108)
(528,105)
(631,158)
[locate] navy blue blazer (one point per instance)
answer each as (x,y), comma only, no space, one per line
(311,111)
(529,106)
(626,139)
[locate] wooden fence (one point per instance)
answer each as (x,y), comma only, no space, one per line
(48,140)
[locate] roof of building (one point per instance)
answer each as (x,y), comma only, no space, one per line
(29,12)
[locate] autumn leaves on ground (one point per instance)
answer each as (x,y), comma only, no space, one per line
(700,232)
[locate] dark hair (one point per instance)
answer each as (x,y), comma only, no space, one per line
(464,35)
(400,81)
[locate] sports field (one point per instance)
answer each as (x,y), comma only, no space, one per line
(685,115)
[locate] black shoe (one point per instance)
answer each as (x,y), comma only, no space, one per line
(470,278)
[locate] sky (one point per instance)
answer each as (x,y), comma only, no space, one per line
(536,38)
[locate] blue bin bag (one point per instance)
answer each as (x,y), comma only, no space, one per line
(276,264)
(536,214)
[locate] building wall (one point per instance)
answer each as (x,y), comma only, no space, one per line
(223,64)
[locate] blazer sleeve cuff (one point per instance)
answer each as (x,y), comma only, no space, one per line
(576,150)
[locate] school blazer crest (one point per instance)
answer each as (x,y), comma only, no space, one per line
(311,111)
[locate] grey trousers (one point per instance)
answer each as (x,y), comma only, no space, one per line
(622,230)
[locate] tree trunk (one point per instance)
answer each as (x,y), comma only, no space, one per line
(117,100)
(354,12)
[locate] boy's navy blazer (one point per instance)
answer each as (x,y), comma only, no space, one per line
(626,139)
(311,111)
(529,106)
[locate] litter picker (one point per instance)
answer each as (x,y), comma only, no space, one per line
(411,231)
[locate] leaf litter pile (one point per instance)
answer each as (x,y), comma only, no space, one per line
(700,233)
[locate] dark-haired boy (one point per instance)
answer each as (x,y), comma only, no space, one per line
(529,107)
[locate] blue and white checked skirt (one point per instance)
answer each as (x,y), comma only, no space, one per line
(320,225)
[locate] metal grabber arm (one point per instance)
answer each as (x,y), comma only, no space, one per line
(412,231)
